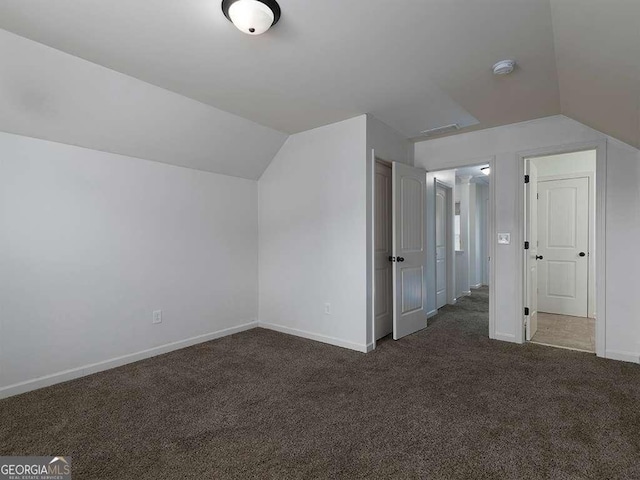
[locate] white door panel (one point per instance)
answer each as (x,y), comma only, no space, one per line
(412,286)
(441,247)
(561,279)
(563,219)
(532,262)
(383,304)
(409,250)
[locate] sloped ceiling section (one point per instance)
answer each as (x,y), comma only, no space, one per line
(597,46)
(414,64)
(472,36)
(48,94)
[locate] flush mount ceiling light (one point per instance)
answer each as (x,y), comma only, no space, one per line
(486,170)
(504,67)
(252,17)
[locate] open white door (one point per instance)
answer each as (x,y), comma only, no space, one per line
(409,250)
(531,255)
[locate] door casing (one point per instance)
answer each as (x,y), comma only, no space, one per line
(597,249)
(491,234)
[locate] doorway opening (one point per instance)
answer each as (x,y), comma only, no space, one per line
(462,239)
(560,250)
(399,286)
(418,219)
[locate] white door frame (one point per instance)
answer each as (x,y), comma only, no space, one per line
(449,225)
(600,236)
(492,232)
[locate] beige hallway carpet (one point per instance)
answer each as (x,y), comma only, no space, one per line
(565,331)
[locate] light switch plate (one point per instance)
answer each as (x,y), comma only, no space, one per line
(504,238)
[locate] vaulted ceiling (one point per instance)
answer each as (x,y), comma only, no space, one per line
(415,64)
(597,45)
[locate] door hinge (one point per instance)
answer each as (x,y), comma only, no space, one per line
(526,245)
(537,196)
(526,311)
(526,179)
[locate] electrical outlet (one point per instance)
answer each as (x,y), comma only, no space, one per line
(327,309)
(157,316)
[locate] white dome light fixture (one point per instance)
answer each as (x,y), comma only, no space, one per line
(252,17)
(486,170)
(504,67)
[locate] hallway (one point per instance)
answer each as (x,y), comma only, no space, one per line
(470,314)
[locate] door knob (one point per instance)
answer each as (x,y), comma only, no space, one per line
(539,257)
(401,259)
(392,259)
(582,254)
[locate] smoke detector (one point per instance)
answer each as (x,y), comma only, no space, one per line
(504,67)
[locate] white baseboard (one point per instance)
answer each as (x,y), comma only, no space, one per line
(476,286)
(432,313)
(89,369)
(317,337)
(622,356)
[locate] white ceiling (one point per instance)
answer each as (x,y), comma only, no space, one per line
(474,172)
(51,95)
(597,45)
(415,64)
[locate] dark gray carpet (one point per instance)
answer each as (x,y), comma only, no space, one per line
(444,403)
